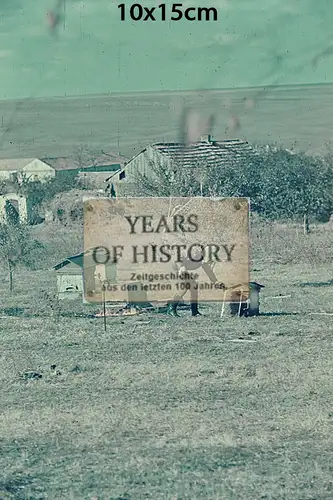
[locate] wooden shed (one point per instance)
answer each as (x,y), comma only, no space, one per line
(70,277)
(70,282)
(251,306)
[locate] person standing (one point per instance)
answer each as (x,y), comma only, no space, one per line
(185,272)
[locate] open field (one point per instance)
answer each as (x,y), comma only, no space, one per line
(127,123)
(163,408)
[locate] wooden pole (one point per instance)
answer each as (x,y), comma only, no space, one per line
(306,225)
(240,302)
(223,303)
(104,309)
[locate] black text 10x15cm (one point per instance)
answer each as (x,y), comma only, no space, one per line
(164,12)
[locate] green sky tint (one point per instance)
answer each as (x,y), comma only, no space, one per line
(254,42)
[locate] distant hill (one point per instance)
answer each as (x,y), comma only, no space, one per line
(127,123)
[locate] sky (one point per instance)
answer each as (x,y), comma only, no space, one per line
(253,43)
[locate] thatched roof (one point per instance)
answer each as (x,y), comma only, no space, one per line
(208,152)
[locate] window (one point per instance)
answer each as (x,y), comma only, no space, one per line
(122,175)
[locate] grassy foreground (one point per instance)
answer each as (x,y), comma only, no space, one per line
(163,408)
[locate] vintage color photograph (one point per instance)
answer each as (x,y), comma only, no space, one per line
(166,250)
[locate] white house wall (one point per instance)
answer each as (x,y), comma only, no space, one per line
(69,286)
(37,169)
(22,206)
(5,175)
(141,163)
(137,164)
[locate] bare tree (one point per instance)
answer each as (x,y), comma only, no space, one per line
(84,156)
(18,247)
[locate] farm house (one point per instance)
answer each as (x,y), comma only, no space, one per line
(14,205)
(32,169)
(92,173)
(201,154)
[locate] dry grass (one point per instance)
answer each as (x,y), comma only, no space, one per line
(278,243)
(172,409)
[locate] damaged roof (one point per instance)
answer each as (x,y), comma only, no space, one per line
(208,153)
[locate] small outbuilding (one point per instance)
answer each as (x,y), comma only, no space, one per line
(249,307)
(70,280)
(70,277)
(13,208)
(254,302)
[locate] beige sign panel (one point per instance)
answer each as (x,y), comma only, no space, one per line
(161,249)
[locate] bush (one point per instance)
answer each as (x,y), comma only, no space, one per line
(38,193)
(67,207)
